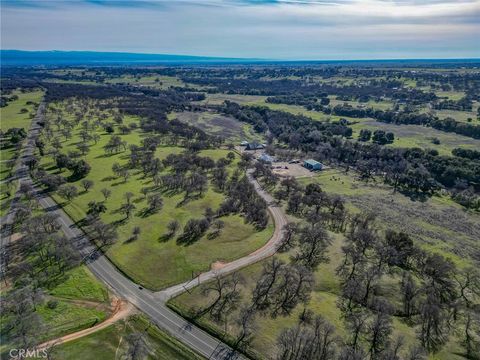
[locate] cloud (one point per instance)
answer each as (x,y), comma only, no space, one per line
(308,29)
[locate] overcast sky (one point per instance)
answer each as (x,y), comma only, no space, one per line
(290,29)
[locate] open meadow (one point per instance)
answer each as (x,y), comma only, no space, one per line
(153,258)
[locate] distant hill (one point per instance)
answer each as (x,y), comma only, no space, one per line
(54,57)
(22,58)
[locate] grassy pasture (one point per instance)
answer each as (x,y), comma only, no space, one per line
(461,116)
(80,284)
(418,136)
(160,81)
(152,260)
(451,95)
(380,105)
(11,115)
(108,343)
(219,98)
(68,317)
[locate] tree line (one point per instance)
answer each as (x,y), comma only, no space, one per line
(416,170)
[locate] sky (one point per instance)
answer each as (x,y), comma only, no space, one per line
(268,29)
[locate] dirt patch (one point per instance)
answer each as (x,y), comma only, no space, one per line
(285,169)
(217,265)
(15,237)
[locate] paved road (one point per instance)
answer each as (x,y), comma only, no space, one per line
(152,304)
(20,172)
(267,250)
(143,299)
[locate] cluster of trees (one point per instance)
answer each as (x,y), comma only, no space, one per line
(414,169)
(299,131)
(283,88)
(241,197)
(151,105)
(280,288)
(409,118)
(33,264)
(379,136)
(466,153)
(433,294)
(312,338)
(5,99)
(463,104)
(14,136)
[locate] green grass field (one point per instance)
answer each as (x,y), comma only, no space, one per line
(80,284)
(407,136)
(150,260)
(218,98)
(68,317)
(111,342)
(11,115)
(451,95)
(461,116)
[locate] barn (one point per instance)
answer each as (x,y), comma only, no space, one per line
(312,165)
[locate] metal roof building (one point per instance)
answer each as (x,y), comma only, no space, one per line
(313,165)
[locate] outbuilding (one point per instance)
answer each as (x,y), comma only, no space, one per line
(254,146)
(312,165)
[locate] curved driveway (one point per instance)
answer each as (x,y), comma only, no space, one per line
(267,250)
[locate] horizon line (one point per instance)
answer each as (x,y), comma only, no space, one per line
(221,57)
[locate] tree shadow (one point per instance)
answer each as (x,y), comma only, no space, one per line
(138,200)
(213,235)
(118,183)
(165,237)
(186,199)
(187,240)
(130,240)
(104,156)
(120,222)
(146,212)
